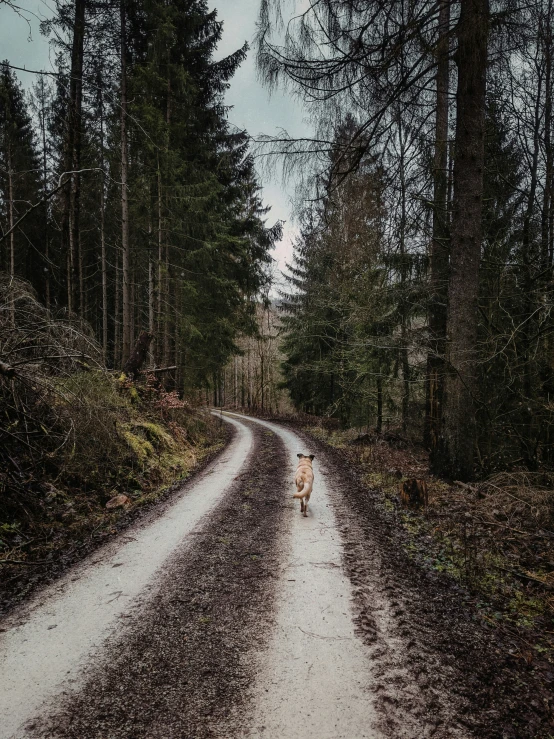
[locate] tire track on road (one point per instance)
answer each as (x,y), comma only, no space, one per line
(45,644)
(181,665)
(314,679)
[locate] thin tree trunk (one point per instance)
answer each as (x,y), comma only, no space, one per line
(159,289)
(177,336)
(235,382)
(103,256)
(242,386)
(458,438)
(167,291)
(379,424)
(167,317)
(404,363)
(549,164)
(42,118)
(439,244)
(151,290)
(133,305)
(104,267)
(527,275)
(10,213)
(72,157)
(125,247)
(117,313)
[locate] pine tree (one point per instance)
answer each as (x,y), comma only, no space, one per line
(19,181)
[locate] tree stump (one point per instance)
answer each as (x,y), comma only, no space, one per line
(413,493)
(138,355)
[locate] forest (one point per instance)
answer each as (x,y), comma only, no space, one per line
(422,283)
(420,291)
(162,374)
(131,221)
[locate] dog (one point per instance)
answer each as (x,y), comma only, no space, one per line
(304,481)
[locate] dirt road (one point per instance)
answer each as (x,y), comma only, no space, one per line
(227,614)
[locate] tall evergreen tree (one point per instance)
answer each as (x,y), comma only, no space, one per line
(20,180)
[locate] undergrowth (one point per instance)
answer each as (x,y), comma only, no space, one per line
(495,538)
(74,435)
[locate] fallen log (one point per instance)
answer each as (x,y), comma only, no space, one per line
(158,370)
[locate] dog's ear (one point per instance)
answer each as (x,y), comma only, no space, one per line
(299,455)
(312,456)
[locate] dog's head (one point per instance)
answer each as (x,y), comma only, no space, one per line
(305,456)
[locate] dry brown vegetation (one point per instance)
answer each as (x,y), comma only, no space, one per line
(495,537)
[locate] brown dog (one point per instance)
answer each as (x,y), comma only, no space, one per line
(304,481)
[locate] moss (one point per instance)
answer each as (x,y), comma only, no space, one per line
(142,448)
(155,433)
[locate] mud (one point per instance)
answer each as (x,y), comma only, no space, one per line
(272,625)
(178,667)
(439,671)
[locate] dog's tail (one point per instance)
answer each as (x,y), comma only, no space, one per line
(306,490)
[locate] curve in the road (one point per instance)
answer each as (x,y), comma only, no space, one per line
(45,644)
(311,671)
(314,679)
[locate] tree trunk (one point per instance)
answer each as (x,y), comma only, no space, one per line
(404,362)
(528,265)
(104,267)
(547,204)
(151,294)
(159,287)
(42,122)
(134,364)
(125,255)
(72,158)
(379,424)
(117,313)
(440,243)
(413,493)
(458,437)
(10,213)
(103,256)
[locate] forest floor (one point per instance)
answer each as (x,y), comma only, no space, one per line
(224,613)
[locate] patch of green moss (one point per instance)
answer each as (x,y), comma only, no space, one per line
(155,433)
(141,448)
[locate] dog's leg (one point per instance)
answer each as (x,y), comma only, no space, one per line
(301,505)
(305,507)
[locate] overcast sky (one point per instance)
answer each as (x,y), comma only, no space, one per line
(253,109)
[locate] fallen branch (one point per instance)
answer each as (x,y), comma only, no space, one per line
(24,562)
(157,370)
(523,576)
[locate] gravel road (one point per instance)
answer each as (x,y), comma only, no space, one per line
(226,613)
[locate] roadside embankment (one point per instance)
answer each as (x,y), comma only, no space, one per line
(101,450)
